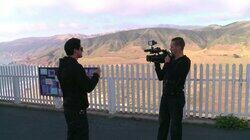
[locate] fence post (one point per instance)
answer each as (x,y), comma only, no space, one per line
(111,96)
(17,98)
(247,90)
(248,73)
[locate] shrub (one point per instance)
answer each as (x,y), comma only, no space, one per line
(231,122)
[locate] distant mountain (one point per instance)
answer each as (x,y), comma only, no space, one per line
(47,50)
(186,27)
(36,47)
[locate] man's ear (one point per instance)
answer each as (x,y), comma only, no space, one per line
(179,48)
(74,51)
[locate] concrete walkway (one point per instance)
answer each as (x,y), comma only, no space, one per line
(29,124)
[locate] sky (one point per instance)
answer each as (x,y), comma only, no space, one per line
(38,18)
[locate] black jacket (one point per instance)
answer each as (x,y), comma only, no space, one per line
(174,75)
(75,84)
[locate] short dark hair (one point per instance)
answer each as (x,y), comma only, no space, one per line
(71,44)
(178,41)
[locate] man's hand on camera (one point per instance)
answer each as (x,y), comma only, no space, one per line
(167,59)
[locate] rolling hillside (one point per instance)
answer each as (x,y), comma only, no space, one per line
(128,45)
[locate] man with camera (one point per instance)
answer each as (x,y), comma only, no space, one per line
(75,85)
(173,74)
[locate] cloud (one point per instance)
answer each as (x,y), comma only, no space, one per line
(115,7)
(13,28)
(49,17)
(11,31)
(142,9)
(17,28)
(71,25)
(163,7)
(10,7)
(128,7)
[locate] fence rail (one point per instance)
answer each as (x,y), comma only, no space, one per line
(210,90)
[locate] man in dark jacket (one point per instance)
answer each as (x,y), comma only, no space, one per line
(75,85)
(174,75)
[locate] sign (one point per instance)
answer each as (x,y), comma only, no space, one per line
(49,83)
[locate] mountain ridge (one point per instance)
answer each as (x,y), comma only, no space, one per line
(208,37)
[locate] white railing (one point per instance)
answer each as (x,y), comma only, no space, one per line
(211,90)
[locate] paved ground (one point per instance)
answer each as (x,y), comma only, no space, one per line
(28,124)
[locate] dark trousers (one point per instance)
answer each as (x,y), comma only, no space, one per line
(77,123)
(170,116)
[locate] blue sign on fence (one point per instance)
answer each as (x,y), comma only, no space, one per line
(49,83)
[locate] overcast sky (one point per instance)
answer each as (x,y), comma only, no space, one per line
(25,18)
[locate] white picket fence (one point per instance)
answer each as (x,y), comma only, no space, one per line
(211,90)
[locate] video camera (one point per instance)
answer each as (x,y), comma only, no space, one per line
(157,54)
